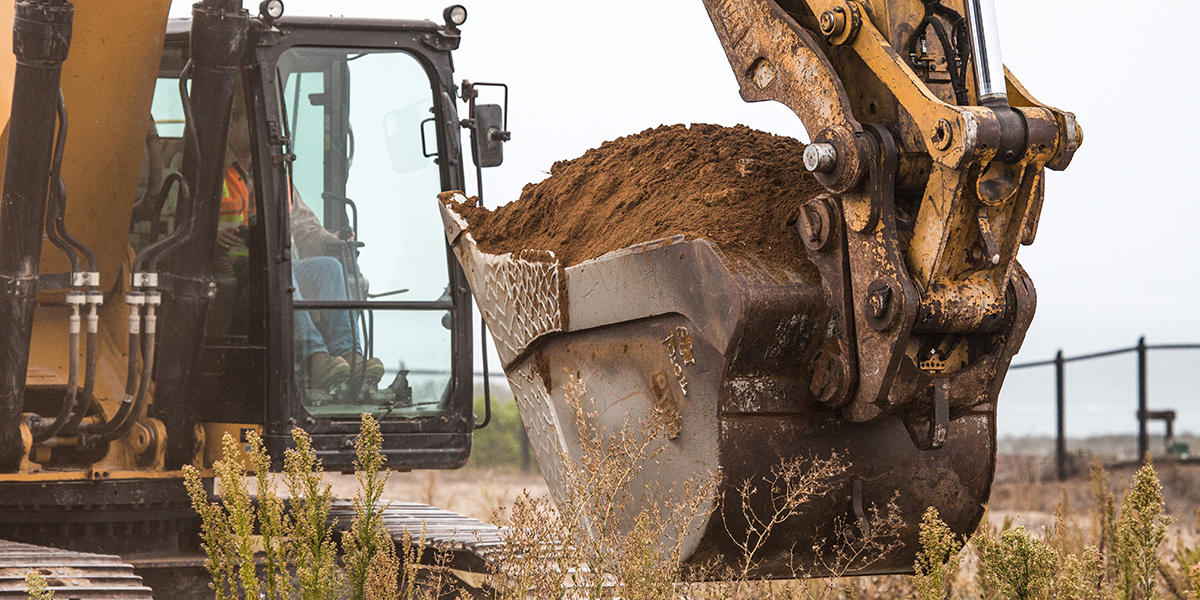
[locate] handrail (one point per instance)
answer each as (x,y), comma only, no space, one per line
(1102,354)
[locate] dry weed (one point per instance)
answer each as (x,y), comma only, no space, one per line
(791,486)
(598,546)
(368,536)
(1023,565)
(1182,574)
(1141,529)
(939,558)
(1104,518)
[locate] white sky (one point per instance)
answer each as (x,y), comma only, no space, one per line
(1116,253)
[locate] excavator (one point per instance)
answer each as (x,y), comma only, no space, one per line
(132,346)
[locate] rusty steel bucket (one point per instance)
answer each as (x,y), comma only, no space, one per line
(727,345)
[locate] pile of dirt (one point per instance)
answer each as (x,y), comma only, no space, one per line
(735,186)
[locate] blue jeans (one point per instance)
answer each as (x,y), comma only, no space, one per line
(321,278)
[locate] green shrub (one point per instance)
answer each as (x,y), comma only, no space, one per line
(499,444)
(301,559)
(368,536)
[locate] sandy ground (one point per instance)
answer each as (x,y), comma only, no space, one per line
(1019,493)
(478,493)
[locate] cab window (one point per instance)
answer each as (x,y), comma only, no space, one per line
(369,265)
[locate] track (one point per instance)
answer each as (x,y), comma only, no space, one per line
(451,539)
(74,575)
(468,542)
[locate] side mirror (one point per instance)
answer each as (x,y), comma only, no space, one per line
(404,130)
(488,135)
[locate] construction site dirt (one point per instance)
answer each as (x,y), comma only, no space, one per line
(738,187)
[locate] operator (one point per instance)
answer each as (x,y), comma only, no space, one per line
(328,343)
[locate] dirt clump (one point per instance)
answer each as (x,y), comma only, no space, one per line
(735,186)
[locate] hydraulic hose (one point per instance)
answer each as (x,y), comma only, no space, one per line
(89,369)
(177,238)
(137,387)
(149,255)
(41,432)
(55,225)
(59,194)
(134,393)
(154,164)
(58,191)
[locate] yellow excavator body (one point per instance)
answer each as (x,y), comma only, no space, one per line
(107,84)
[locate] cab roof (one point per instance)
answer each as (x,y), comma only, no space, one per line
(180,28)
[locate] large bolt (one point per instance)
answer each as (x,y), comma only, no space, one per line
(882,304)
(820,157)
(942,135)
(827,379)
(815,224)
(879,301)
(833,22)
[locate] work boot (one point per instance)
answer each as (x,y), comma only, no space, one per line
(371,369)
(325,371)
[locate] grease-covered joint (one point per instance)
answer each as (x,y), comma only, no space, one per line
(972,309)
(1013,139)
(42,31)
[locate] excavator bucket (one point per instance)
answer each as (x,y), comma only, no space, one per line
(676,326)
(880,343)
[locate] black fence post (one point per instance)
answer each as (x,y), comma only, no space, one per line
(1143,435)
(1060,442)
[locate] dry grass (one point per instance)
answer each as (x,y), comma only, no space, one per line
(1074,541)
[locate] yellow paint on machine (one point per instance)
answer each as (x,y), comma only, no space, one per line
(108,83)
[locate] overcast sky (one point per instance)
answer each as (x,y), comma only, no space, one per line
(1116,252)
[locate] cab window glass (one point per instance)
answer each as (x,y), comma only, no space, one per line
(365,232)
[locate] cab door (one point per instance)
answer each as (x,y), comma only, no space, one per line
(368,310)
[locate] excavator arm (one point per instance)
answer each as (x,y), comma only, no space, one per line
(928,199)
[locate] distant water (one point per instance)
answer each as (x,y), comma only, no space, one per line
(1101,395)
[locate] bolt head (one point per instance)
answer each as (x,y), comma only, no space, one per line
(815,225)
(942,135)
(820,157)
(878,301)
(832,22)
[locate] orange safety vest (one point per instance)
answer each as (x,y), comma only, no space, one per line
(236,206)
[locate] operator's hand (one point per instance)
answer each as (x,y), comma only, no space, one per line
(227,239)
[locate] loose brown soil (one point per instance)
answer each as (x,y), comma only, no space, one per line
(735,186)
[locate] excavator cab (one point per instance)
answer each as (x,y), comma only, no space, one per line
(350,126)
